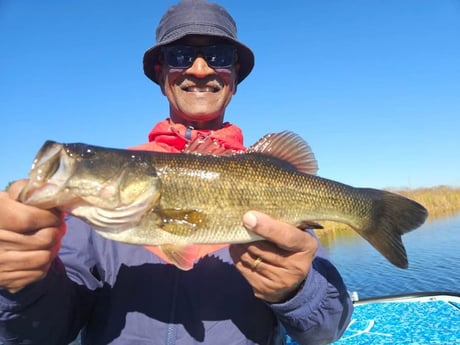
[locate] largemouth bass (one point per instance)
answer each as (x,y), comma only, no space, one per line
(180,199)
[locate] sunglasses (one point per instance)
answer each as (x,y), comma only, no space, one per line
(216,56)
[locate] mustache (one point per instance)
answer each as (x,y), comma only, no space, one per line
(212,82)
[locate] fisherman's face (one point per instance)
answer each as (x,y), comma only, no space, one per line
(198,94)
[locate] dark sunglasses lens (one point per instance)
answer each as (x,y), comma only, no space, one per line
(180,56)
(217,56)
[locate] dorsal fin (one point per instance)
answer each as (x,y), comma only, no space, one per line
(286,145)
(290,147)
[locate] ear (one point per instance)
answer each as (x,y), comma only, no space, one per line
(160,75)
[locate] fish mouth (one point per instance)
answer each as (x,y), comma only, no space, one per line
(50,169)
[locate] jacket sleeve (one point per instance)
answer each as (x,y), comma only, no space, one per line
(50,311)
(320,312)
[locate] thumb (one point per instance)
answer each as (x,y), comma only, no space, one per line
(14,189)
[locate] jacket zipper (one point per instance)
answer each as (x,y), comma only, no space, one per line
(172,326)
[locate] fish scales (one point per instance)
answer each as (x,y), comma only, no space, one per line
(176,200)
(225,187)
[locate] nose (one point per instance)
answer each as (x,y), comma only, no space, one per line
(200,68)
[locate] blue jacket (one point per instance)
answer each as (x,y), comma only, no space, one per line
(123,294)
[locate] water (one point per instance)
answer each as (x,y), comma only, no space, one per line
(433,252)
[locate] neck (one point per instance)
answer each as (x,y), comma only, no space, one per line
(213,124)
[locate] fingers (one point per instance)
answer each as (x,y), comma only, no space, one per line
(13,261)
(26,258)
(277,266)
(266,259)
(15,188)
(42,239)
(16,280)
(30,239)
(21,218)
(269,252)
(285,236)
(21,268)
(272,277)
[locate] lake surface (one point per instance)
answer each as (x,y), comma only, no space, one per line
(434,261)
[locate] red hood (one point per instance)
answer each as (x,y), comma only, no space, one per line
(167,136)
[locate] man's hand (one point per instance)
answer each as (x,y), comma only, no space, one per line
(30,239)
(277,267)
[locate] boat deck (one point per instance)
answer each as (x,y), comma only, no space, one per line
(431,318)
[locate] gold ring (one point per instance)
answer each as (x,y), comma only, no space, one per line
(256,263)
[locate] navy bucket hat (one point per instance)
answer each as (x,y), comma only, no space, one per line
(197,17)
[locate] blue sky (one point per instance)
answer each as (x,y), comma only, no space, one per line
(372,85)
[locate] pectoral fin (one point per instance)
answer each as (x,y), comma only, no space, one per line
(181,222)
(182,256)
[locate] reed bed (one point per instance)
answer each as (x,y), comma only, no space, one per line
(440,201)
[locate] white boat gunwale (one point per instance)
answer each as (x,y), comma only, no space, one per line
(428,296)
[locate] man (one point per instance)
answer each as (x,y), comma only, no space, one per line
(56,285)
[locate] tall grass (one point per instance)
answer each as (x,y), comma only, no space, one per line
(440,201)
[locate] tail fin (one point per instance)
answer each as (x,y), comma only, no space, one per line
(394,215)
